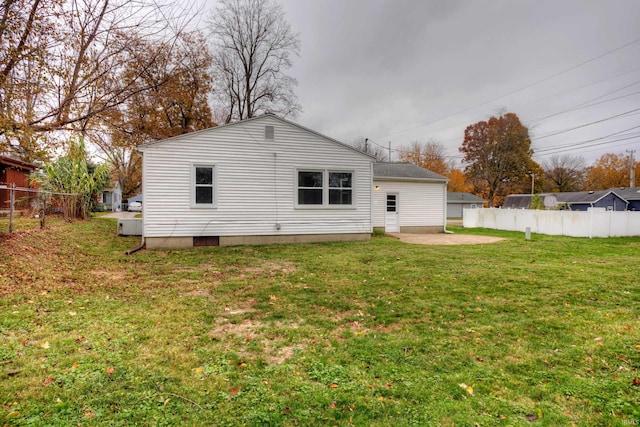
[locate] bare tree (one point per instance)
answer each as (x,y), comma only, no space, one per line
(564,173)
(366,146)
(61,63)
(252,47)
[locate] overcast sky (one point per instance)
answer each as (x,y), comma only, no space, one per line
(399,71)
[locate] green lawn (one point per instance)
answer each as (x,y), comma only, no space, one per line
(373,333)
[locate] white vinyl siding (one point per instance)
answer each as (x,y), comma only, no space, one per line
(255,182)
(420,204)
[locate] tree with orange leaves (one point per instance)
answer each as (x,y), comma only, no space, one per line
(430,155)
(610,171)
(458,182)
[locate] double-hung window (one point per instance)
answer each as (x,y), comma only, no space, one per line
(204,194)
(324,188)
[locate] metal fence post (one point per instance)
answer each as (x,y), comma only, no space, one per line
(44,207)
(12,198)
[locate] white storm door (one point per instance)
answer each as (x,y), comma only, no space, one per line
(392,216)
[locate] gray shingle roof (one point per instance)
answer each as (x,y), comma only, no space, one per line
(579,196)
(517,201)
(457,197)
(627,193)
(407,171)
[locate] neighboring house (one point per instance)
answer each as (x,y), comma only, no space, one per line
(631,195)
(457,202)
(518,201)
(257,181)
(111,198)
(408,199)
(575,201)
(14,172)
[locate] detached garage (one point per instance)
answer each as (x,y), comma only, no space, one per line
(408,199)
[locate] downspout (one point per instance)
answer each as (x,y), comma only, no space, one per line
(371,195)
(137,248)
(444,211)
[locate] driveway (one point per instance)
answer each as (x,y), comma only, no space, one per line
(444,239)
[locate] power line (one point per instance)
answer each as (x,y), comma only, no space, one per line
(584,104)
(575,144)
(520,89)
(587,124)
(565,92)
(627,138)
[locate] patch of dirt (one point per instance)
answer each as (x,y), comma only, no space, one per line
(277,356)
(272,267)
(246,307)
(198,293)
(444,239)
(249,329)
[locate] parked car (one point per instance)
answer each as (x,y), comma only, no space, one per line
(135,207)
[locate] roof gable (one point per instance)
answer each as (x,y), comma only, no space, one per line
(240,123)
(627,193)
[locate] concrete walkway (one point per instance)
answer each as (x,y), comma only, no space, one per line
(444,239)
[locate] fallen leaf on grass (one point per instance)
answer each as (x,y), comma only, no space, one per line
(235,391)
(89,414)
(45,344)
(468,388)
(530,417)
(72,313)
(47,381)
(636,382)
(110,370)
(333,385)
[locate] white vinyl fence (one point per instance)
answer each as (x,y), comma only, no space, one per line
(593,223)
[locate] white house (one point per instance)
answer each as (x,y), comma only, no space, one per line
(408,199)
(261,180)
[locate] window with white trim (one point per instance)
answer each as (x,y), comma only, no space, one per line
(340,188)
(203,185)
(310,187)
(324,188)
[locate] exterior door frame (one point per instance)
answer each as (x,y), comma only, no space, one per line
(392,218)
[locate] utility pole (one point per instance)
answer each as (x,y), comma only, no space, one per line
(632,164)
(533,181)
